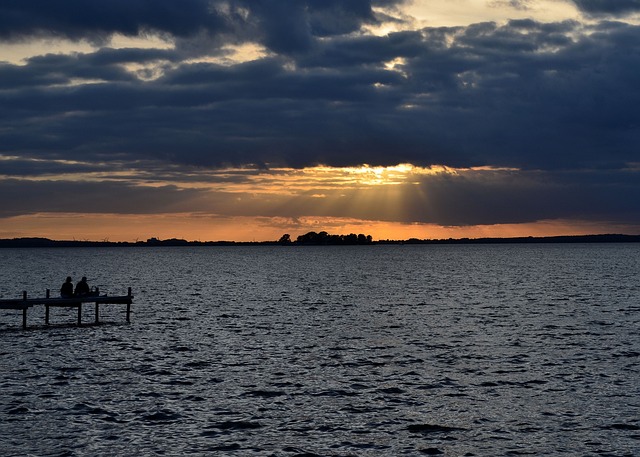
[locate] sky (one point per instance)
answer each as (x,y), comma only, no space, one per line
(243,120)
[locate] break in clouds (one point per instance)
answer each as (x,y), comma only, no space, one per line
(556,101)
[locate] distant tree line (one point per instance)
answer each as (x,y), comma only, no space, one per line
(311,239)
(324,239)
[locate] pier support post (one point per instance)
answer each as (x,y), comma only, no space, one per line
(79,313)
(129,305)
(97,312)
(46,309)
(24,310)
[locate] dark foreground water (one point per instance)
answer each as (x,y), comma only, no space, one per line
(335,351)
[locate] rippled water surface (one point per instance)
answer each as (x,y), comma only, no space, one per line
(327,351)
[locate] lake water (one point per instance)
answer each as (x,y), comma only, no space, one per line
(327,351)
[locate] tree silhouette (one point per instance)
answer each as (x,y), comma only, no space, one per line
(285,239)
(323,238)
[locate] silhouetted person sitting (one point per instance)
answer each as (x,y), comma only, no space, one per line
(66,290)
(82,288)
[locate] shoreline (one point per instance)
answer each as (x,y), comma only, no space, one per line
(48,243)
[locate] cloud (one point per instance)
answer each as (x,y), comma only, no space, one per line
(94,21)
(486,198)
(282,25)
(516,4)
(557,101)
(516,197)
(460,198)
(608,7)
(524,94)
(26,197)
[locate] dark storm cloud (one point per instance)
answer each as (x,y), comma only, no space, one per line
(486,198)
(524,94)
(608,7)
(281,25)
(22,197)
(26,197)
(553,97)
(78,19)
(17,167)
(516,197)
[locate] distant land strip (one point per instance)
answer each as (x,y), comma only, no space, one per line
(306,240)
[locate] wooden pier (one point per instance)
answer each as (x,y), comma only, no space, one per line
(61,302)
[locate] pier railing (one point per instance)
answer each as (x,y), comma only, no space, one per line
(66,302)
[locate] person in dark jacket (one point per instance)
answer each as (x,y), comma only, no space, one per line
(67,288)
(82,288)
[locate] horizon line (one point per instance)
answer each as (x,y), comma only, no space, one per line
(48,242)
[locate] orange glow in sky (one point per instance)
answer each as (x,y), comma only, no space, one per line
(111,227)
(262,205)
